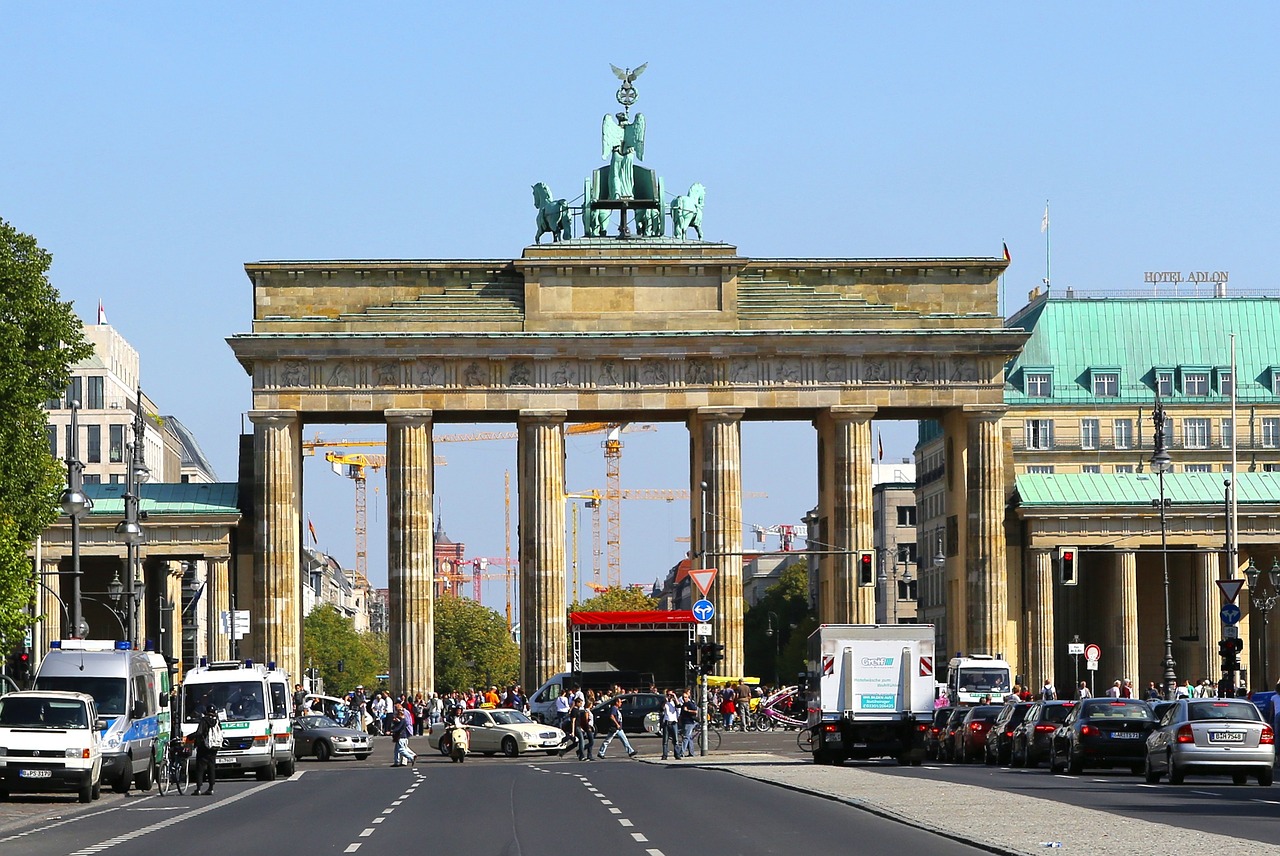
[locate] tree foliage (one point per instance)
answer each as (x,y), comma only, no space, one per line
(792,622)
(40,339)
(473,647)
(329,637)
(616,599)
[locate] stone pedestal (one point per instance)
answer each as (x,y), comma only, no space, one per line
(410,537)
(986,576)
(1126,606)
(1040,616)
(543,576)
(276,616)
(844,504)
(715,435)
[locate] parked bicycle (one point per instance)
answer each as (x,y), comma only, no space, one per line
(173,770)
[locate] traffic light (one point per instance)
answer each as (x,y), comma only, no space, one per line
(866,568)
(20,666)
(1225,648)
(1228,649)
(691,656)
(1067,566)
(712,654)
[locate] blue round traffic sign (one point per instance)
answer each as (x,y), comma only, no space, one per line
(1230,614)
(703,610)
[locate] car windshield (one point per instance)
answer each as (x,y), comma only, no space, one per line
(984,713)
(236,701)
(510,717)
(1118,710)
(1055,712)
(42,713)
(108,693)
(984,680)
(1200,710)
(318,722)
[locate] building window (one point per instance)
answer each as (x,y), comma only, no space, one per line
(906,590)
(1039,433)
(1275,382)
(1164,383)
(92,478)
(52,431)
(1122,433)
(1091,468)
(1271,432)
(1271,468)
(1195,383)
(93,394)
(114,478)
(75,391)
(1124,468)
(1227,433)
(1039,470)
(1195,433)
(1225,382)
(1106,384)
(1088,433)
(1040,385)
(906,515)
(1198,468)
(95,443)
(115,449)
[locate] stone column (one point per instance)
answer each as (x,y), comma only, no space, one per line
(844,503)
(410,550)
(544,646)
(716,445)
(1040,630)
(1126,606)
(986,576)
(1205,598)
(49,608)
(218,585)
(276,618)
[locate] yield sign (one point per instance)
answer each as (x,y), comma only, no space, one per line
(703,578)
(1230,589)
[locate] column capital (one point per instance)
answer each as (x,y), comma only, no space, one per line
(720,414)
(984,412)
(408,417)
(272,417)
(852,412)
(543,415)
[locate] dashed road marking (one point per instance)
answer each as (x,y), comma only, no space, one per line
(1205,793)
(351,848)
(638,836)
(625,822)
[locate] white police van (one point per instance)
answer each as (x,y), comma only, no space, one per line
(241,695)
(281,718)
(124,686)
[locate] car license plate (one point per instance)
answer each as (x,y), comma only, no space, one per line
(35,774)
(226,760)
(1126,735)
(1226,736)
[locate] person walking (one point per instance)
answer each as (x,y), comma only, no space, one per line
(670,721)
(688,719)
(582,725)
(208,740)
(401,731)
(1083,692)
(614,727)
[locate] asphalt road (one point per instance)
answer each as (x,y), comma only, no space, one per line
(528,806)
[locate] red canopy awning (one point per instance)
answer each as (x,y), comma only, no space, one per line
(648,616)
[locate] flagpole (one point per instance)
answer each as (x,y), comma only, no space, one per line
(1047,226)
(1234,547)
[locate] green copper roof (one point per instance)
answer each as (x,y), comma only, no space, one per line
(162,499)
(1140,489)
(1137,335)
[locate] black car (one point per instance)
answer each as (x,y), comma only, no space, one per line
(946,739)
(933,735)
(1103,732)
(1033,737)
(999,747)
(635,706)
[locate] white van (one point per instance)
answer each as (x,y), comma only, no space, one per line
(281,719)
(241,695)
(51,743)
(124,688)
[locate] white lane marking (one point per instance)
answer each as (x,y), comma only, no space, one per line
(1148,786)
(38,830)
(160,808)
(378,820)
(1205,793)
(606,802)
(615,811)
(351,848)
(625,822)
(397,802)
(652,852)
(638,836)
(1264,802)
(366,832)
(297,775)
(387,810)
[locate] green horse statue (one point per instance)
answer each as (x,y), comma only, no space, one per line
(686,212)
(553,215)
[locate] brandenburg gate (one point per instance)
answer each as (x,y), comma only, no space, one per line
(651,327)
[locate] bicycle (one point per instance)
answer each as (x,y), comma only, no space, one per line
(174,767)
(713,738)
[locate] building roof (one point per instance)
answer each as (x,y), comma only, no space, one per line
(1142,489)
(166,498)
(1072,335)
(192,455)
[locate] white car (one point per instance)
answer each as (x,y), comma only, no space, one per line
(507,731)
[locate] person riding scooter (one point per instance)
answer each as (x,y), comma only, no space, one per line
(459,740)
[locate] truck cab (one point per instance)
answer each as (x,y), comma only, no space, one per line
(51,742)
(241,694)
(976,677)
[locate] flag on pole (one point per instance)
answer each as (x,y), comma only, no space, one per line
(1044,221)
(102,314)
(311,527)
(880,444)
(1007,257)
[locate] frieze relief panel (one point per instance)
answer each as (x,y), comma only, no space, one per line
(610,373)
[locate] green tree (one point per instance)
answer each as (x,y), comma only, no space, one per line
(792,622)
(328,637)
(40,339)
(473,647)
(616,599)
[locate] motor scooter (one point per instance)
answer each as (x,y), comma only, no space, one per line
(459,742)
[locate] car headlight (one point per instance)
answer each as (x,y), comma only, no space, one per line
(341,739)
(111,742)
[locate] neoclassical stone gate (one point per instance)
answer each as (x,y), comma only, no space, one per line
(648,329)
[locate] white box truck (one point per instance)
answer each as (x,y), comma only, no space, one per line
(870,691)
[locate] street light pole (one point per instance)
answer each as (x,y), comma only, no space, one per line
(75,503)
(1264,599)
(774,630)
(1161,463)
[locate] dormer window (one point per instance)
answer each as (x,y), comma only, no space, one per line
(1164,382)
(1274,371)
(1225,383)
(1106,382)
(1195,381)
(1039,383)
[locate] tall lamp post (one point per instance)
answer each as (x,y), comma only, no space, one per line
(75,504)
(889,581)
(774,631)
(1264,594)
(130,530)
(1161,463)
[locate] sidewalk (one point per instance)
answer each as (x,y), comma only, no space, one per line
(999,821)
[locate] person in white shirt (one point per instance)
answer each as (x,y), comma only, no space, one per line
(670,723)
(1113,691)
(563,703)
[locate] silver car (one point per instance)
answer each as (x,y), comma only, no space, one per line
(1211,736)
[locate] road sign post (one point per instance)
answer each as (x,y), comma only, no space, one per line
(1092,654)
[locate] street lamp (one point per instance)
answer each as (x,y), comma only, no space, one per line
(1161,463)
(889,582)
(130,530)
(776,635)
(1264,599)
(74,504)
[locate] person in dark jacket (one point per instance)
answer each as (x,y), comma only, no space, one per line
(206,756)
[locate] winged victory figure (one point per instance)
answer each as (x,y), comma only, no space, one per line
(622,144)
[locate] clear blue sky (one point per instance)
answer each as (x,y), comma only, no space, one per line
(154,148)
